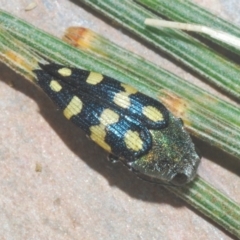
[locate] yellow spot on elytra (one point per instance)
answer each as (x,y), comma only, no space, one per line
(55,86)
(122,99)
(152,113)
(98,134)
(133,140)
(128,89)
(94,78)
(65,72)
(73,108)
(108,117)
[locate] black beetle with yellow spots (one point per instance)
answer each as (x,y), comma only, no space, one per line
(134,128)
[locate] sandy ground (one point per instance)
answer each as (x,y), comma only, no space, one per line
(77,194)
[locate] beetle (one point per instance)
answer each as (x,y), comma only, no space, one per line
(134,128)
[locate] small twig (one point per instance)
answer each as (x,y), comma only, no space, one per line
(216,34)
